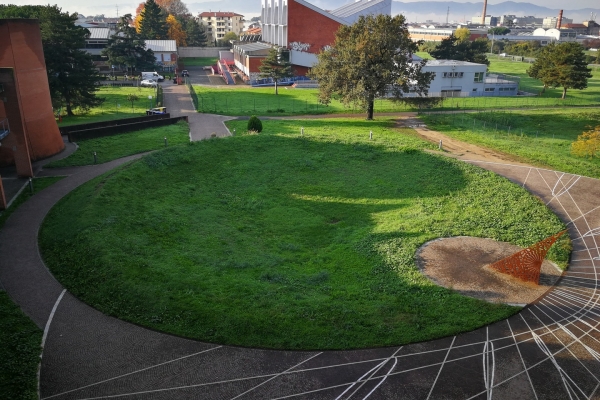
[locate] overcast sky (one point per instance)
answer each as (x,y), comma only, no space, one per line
(109,8)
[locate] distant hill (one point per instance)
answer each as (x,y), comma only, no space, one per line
(436,10)
(418,11)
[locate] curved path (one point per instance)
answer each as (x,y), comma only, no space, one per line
(551,350)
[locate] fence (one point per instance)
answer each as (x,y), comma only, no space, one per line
(115,127)
(192,92)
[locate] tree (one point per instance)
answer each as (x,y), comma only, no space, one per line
(462,34)
(132,98)
(126,47)
(72,76)
(173,7)
(499,30)
(153,23)
(175,31)
(370,59)
(563,65)
(195,33)
(588,143)
(452,48)
(275,66)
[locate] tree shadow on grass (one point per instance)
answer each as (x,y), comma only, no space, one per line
(267,241)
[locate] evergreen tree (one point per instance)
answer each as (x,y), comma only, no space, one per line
(563,65)
(72,76)
(126,47)
(153,22)
(196,36)
(453,48)
(276,67)
(370,59)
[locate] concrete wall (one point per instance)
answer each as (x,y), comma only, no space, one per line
(200,51)
(22,59)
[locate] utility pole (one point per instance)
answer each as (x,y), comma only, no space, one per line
(447,14)
(117,11)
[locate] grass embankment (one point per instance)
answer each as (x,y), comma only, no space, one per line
(277,240)
(110,148)
(539,137)
(115,106)
(20,338)
(199,61)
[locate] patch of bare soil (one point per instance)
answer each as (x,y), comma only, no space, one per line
(460,263)
(456,148)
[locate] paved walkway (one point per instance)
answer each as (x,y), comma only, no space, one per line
(202,126)
(550,350)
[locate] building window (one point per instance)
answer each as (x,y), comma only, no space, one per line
(453,74)
(489,89)
(478,77)
(474,89)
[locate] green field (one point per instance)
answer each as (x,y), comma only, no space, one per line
(115,106)
(286,241)
(539,137)
(110,148)
(199,61)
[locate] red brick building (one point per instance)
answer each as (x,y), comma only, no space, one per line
(25,99)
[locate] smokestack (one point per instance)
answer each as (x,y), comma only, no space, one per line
(559,21)
(484,11)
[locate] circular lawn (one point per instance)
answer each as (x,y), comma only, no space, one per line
(281,241)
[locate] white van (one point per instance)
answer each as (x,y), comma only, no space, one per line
(153,75)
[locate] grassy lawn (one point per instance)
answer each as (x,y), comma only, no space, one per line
(112,147)
(199,61)
(20,350)
(286,241)
(115,106)
(20,338)
(540,137)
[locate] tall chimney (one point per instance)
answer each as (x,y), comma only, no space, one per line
(559,21)
(484,11)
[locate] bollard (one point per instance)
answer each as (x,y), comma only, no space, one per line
(95,158)
(370,135)
(166,142)
(31,185)
(302,131)
(440,146)
(233,131)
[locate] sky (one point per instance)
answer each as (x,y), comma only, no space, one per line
(250,9)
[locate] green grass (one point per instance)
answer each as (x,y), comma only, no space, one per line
(199,61)
(110,148)
(20,338)
(282,241)
(503,66)
(20,352)
(540,137)
(115,106)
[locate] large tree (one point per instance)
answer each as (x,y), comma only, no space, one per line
(173,7)
(563,65)
(72,76)
(195,34)
(153,22)
(126,47)
(176,31)
(276,67)
(370,59)
(452,48)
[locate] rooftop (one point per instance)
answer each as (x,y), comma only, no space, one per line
(219,14)
(161,45)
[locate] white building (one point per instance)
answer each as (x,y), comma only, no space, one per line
(465,79)
(165,51)
(557,35)
(218,23)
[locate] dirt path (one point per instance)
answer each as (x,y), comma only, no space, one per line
(453,147)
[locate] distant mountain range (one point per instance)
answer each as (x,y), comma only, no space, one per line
(419,11)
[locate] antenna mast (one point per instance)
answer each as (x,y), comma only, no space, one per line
(117,11)
(447,14)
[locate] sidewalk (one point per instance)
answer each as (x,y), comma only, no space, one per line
(202,126)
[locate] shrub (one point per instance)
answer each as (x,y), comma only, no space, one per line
(254,124)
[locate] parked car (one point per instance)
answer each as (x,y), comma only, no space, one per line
(156,110)
(148,83)
(185,73)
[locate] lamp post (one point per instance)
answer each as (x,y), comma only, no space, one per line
(150,101)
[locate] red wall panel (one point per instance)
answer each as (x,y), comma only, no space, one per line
(308,26)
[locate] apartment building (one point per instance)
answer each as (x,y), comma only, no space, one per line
(218,23)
